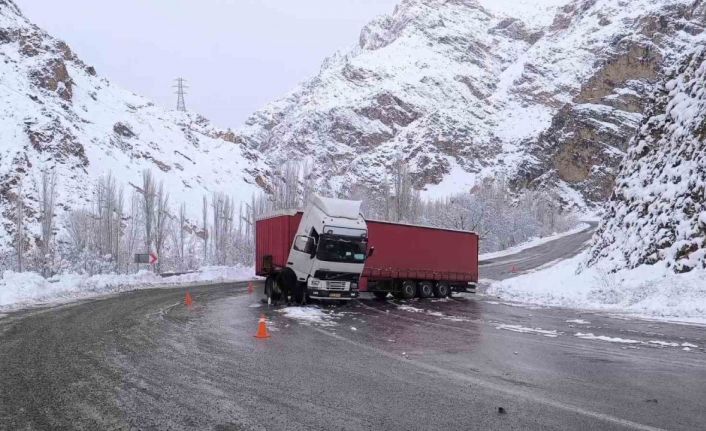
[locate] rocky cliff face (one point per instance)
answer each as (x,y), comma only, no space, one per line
(57,114)
(547,92)
(658,209)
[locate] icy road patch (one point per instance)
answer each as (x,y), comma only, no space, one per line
(525,330)
(309,315)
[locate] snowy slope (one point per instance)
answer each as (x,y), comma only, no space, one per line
(649,253)
(56,113)
(548,92)
(658,210)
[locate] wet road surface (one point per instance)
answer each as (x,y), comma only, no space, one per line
(143,360)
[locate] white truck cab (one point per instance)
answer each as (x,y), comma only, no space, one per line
(329,250)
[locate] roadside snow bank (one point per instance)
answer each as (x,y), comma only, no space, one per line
(649,291)
(533,242)
(19,290)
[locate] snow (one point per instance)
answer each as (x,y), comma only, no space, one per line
(533,242)
(647,291)
(537,13)
(590,336)
(26,289)
(579,321)
(456,181)
(443,316)
(654,343)
(309,315)
(338,207)
(525,330)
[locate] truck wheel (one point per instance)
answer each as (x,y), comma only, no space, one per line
(441,290)
(380,295)
(299,294)
(426,290)
(273,293)
(408,289)
(287,282)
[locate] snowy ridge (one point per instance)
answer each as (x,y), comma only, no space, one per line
(57,114)
(465,90)
(658,210)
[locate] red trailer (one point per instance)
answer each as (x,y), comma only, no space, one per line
(408,261)
(273,240)
(412,260)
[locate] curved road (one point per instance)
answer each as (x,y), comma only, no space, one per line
(143,360)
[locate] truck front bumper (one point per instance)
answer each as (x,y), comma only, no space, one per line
(333,295)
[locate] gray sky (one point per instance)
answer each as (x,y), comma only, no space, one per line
(236,54)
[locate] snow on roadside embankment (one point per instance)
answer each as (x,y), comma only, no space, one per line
(649,291)
(26,289)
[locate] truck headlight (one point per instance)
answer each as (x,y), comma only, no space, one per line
(316,283)
(354,286)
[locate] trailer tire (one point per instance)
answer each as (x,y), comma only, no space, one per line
(442,290)
(408,290)
(426,289)
(380,295)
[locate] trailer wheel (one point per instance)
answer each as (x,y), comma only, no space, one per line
(380,295)
(426,290)
(408,290)
(442,290)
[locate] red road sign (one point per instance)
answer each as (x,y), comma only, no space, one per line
(153,258)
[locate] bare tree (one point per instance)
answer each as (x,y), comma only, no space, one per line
(47,209)
(204,213)
(148,207)
(161,225)
(19,204)
(181,237)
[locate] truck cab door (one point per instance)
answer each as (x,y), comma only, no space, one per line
(300,257)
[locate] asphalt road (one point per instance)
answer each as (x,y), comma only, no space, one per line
(143,360)
(500,268)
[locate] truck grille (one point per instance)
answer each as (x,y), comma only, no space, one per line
(336,285)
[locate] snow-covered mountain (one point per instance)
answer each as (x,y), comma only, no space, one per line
(657,212)
(57,113)
(548,92)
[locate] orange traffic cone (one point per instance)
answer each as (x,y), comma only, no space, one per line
(251,290)
(189,302)
(262,328)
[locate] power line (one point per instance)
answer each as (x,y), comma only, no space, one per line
(181,92)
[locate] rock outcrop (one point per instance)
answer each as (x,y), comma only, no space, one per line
(657,212)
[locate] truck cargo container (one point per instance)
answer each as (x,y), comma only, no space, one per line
(399,259)
(413,260)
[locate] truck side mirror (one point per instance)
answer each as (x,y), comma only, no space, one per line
(371,251)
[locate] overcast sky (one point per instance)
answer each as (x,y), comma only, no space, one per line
(236,54)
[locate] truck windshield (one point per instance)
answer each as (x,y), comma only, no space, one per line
(336,248)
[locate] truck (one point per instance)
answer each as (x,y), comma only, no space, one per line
(330,252)
(317,253)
